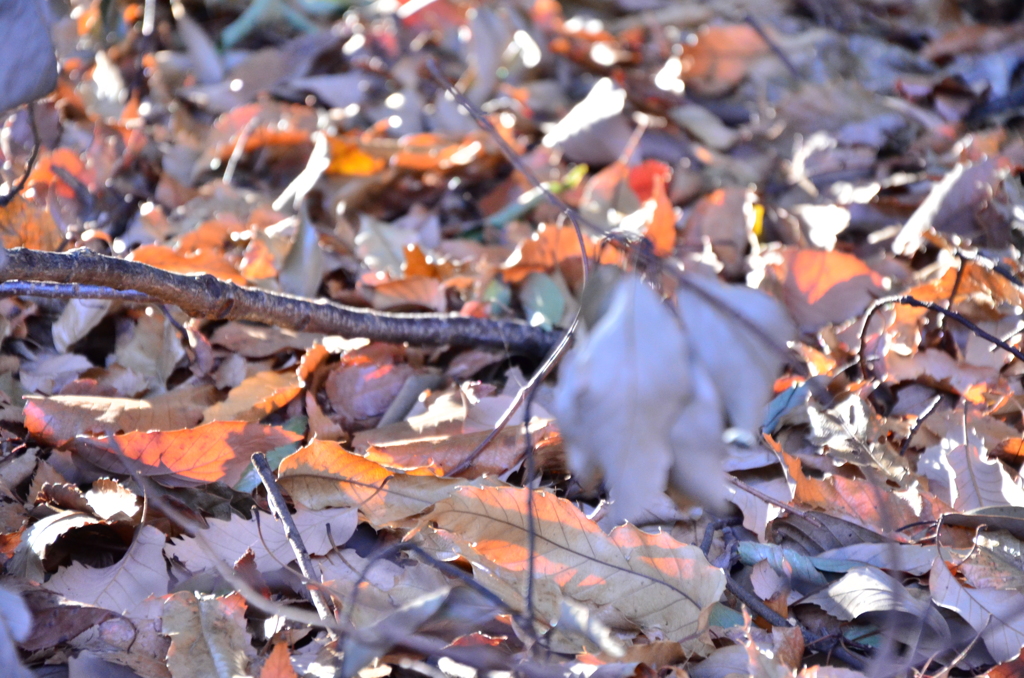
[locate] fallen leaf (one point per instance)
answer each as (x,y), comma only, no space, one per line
(123,586)
(25,224)
(278,663)
(619,393)
(219,451)
(323,474)
(29,70)
(264,536)
(255,397)
(721,57)
(204,261)
(208,635)
(994,614)
(553,246)
(58,419)
(821,287)
(651,580)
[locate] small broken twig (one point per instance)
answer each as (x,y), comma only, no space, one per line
(7,198)
(291,532)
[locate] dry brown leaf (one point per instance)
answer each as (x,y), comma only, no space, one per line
(208,635)
(727,218)
(362,385)
(721,57)
(630,577)
(204,261)
(323,474)
(553,246)
(820,287)
(256,397)
(123,586)
(220,451)
(278,664)
(24,224)
(263,535)
(386,587)
(57,419)
(860,501)
(257,341)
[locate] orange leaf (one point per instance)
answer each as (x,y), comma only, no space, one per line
(213,452)
(278,664)
(551,246)
(348,158)
(661,230)
(67,160)
(721,56)
(424,152)
(644,177)
(323,474)
(259,125)
(821,287)
(816,272)
(205,261)
(23,224)
(58,419)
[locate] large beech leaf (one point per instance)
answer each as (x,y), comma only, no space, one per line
(995,614)
(629,576)
(214,452)
(323,474)
(123,586)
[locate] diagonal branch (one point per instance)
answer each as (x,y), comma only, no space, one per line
(204,296)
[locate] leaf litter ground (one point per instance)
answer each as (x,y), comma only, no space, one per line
(786,439)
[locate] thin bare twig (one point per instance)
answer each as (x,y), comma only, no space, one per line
(925,413)
(204,296)
(6,199)
(308,568)
(931,306)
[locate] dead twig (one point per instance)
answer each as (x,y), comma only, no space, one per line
(204,296)
(912,301)
(308,568)
(6,199)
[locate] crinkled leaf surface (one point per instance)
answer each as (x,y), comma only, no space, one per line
(650,580)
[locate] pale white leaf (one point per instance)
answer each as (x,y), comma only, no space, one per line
(15,626)
(697,445)
(28,65)
(737,333)
(975,480)
(620,392)
(866,589)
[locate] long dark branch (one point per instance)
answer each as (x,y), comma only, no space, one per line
(204,296)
